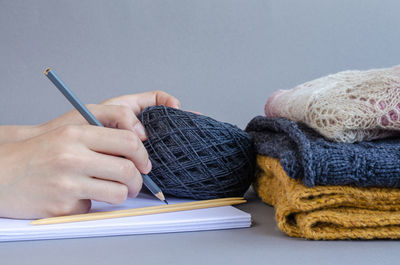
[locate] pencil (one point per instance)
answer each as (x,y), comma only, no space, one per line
(141,211)
(74,100)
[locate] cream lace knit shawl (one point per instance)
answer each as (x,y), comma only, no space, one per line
(349,106)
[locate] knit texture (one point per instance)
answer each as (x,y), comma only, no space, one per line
(195,156)
(306,155)
(327,212)
(347,106)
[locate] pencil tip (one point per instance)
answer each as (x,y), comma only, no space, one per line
(47,70)
(166,202)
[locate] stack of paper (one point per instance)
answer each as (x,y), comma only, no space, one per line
(194,220)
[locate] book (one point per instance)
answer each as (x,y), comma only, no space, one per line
(225,217)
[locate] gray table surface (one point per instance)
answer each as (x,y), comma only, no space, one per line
(220,57)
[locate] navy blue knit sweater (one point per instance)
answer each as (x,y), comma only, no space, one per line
(306,155)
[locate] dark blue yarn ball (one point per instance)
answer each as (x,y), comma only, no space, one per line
(195,156)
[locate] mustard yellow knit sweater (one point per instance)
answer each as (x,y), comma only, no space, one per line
(327,212)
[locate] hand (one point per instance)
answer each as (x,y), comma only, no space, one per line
(58,172)
(56,168)
(109,112)
(138,102)
(119,112)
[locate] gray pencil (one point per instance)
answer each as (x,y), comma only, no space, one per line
(74,100)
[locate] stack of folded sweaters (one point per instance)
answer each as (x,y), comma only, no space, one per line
(326,187)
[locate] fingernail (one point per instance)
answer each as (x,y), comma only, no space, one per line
(139,129)
(148,166)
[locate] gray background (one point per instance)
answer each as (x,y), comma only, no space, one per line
(222,58)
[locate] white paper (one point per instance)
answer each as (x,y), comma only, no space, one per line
(224,217)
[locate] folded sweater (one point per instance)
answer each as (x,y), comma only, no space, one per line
(306,155)
(327,212)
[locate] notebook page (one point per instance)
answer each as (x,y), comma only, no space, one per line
(193,220)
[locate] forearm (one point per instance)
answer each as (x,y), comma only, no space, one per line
(15,133)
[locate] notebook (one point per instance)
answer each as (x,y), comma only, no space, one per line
(224,217)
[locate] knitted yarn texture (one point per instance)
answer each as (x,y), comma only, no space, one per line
(327,212)
(195,156)
(306,155)
(348,106)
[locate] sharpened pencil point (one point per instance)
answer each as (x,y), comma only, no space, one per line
(161,197)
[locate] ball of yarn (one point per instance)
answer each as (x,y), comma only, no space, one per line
(195,156)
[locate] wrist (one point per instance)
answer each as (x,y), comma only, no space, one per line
(31,131)
(9,134)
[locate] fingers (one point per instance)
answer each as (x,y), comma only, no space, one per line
(114,168)
(76,207)
(139,130)
(117,112)
(115,142)
(113,116)
(65,207)
(139,102)
(120,117)
(162,98)
(104,191)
